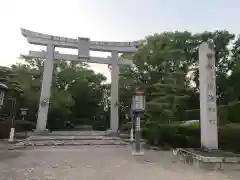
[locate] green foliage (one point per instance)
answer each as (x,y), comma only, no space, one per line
(20,126)
(77,92)
(193,114)
(158,62)
(176,136)
(195,124)
(229,139)
(8,77)
(166,65)
(226,113)
(233,112)
(168,96)
(173,136)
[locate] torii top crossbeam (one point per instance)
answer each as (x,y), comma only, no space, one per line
(45,39)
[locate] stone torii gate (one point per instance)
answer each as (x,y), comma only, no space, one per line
(84,45)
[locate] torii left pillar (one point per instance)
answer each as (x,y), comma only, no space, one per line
(46,90)
(114,117)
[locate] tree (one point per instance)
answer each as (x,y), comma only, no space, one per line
(8,77)
(161,61)
(86,90)
(167,99)
(77,92)
(166,65)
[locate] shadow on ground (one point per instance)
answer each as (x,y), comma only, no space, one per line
(6,155)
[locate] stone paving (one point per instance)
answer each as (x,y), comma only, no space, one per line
(99,163)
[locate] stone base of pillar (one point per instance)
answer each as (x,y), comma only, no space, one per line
(45,131)
(11,137)
(111,132)
(134,153)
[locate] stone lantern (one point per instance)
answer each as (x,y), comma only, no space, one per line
(3,91)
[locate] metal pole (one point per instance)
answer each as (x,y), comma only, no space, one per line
(138,109)
(137,135)
(137,150)
(132,123)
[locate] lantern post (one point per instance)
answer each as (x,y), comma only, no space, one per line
(138,108)
(3,91)
(132,124)
(23,112)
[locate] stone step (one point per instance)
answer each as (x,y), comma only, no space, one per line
(129,140)
(72,138)
(70,133)
(65,138)
(70,143)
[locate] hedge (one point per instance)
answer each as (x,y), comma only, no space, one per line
(176,136)
(20,126)
(226,114)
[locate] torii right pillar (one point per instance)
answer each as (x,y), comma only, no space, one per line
(208,107)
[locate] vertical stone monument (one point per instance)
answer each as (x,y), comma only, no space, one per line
(208,156)
(208,108)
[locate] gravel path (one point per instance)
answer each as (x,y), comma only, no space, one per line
(99,163)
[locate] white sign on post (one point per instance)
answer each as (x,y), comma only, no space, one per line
(138,124)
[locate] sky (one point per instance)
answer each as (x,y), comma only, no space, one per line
(108,20)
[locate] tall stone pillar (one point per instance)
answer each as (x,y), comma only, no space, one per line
(114,118)
(208,108)
(46,89)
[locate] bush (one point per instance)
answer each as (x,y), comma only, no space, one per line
(20,126)
(23,126)
(193,114)
(126,127)
(233,112)
(226,113)
(5,127)
(233,125)
(177,136)
(229,139)
(223,115)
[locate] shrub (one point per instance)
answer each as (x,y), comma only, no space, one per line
(5,127)
(228,138)
(195,125)
(223,115)
(150,134)
(20,126)
(189,137)
(126,127)
(233,112)
(193,114)
(226,113)
(233,125)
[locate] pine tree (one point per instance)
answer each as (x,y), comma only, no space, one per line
(169,92)
(8,78)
